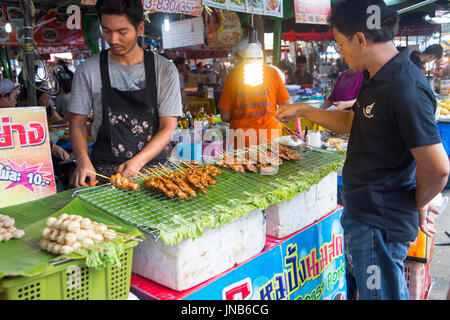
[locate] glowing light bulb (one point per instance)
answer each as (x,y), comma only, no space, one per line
(8,27)
(253,73)
(166,24)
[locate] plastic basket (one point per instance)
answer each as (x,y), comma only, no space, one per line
(73,280)
(418,280)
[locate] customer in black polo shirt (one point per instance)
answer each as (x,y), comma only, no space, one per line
(395,162)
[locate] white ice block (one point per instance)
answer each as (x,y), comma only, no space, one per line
(294,214)
(191,262)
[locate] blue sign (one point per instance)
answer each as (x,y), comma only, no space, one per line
(309,265)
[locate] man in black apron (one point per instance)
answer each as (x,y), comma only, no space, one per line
(132,134)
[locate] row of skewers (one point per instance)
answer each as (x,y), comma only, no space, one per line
(69,233)
(250,159)
(182,182)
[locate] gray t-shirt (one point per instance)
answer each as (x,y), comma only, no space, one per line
(87,84)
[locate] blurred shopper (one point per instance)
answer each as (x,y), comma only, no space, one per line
(9,93)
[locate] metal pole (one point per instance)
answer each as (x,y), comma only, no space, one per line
(28,53)
(415,6)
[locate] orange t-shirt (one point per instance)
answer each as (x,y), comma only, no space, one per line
(254,107)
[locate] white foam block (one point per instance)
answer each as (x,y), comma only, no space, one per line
(190,262)
(294,214)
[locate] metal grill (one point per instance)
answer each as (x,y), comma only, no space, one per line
(156,214)
(313,160)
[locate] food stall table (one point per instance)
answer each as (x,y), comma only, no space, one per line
(308,264)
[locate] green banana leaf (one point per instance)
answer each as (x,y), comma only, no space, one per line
(233,195)
(23,257)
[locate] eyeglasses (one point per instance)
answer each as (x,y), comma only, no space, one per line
(338,47)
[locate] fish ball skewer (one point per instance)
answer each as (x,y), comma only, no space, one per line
(51,221)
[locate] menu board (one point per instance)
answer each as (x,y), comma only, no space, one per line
(260,7)
(51,30)
(190,7)
(26,169)
(313,12)
(223,29)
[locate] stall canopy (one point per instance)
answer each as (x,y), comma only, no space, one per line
(412,23)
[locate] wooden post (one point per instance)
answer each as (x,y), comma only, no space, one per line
(28,52)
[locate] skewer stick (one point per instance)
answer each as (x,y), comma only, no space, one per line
(166,169)
(178,167)
(86,255)
(158,170)
(151,172)
(140,175)
(114,227)
(100,175)
(186,164)
(127,236)
(102,249)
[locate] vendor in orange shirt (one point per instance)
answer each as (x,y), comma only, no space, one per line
(250,107)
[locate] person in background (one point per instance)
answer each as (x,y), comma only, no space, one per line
(285,69)
(9,93)
(431,53)
(301,75)
(63,97)
(63,70)
(252,108)
(345,90)
(180,63)
(22,102)
(395,162)
(43,100)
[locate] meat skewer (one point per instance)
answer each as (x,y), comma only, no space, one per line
(7,229)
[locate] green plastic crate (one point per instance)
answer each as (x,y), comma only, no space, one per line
(73,280)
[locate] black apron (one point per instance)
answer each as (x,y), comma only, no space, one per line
(129,119)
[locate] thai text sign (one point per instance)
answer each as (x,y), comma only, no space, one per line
(26,169)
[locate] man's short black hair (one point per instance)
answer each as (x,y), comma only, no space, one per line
(131,8)
(300,60)
(352,16)
(436,50)
(178,61)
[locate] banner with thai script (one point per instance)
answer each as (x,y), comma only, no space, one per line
(260,7)
(51,30)
(26,169)
(190,7)
(313,12)
(309,265)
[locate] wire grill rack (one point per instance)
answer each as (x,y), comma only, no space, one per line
(154,213)
(313,160)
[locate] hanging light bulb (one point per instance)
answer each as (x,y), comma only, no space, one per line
(253,69)
(8,27)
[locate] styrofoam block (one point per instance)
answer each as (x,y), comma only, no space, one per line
(294,214)
(250,235)
(191,262)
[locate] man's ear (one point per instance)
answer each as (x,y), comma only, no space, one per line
(361,40)
(140,29)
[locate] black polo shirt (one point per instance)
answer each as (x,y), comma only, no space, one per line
(394,113)
(416,60)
